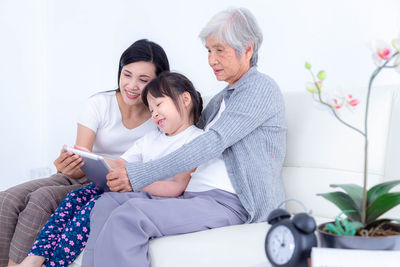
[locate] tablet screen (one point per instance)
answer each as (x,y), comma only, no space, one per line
(95,168)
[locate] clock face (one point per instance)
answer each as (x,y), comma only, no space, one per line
(280,244)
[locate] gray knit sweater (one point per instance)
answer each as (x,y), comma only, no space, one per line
(251,135)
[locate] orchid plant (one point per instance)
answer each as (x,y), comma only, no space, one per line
(360,205)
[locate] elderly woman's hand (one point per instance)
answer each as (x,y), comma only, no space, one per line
(118,180)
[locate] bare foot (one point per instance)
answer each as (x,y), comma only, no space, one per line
(32,261)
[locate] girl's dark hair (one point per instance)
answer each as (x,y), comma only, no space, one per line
(144,50)
(173,84)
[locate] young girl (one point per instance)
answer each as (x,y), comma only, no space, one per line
(175,107)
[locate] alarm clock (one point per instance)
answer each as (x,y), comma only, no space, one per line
(289,240)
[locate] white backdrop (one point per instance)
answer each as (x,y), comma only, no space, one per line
(54,54)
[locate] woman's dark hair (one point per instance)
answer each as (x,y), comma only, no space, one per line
(144,50)
(173,84)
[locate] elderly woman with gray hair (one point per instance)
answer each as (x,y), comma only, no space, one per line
(239,158)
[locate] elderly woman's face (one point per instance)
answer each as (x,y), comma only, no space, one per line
(224,61)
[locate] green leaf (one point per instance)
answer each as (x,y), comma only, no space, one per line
(354,191)
(321,75)
(380,189)
(308,65)
(381,205)
(343,202)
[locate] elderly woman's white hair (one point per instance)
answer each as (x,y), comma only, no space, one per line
(238,28)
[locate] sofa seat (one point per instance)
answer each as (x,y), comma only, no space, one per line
(320,152)
(225,246)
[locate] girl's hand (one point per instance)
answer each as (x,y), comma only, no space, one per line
(69,164)
(118,180)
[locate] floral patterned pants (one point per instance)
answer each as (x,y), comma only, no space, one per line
(65,234)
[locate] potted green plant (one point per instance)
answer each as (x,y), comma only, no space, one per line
(361,208)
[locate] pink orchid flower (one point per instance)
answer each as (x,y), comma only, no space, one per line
(336,103)
(384,53)
(381,52)
(352,101)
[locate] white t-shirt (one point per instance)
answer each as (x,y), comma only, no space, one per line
(156,144)
(213,173)
(102,115)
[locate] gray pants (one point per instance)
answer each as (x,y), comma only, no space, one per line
(121,224)
(24,210)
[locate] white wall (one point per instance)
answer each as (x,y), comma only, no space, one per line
(54,54)
(23,90)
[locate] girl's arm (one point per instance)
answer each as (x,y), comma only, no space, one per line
(70,164)
(173,188)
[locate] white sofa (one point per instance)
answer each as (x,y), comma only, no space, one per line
(320,152)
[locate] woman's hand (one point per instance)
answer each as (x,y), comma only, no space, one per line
(82,148)
(69,164)
(118,180)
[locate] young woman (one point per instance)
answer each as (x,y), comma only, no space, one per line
(109,125)
(175,107)
(239,158)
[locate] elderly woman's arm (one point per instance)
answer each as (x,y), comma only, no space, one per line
(248,107)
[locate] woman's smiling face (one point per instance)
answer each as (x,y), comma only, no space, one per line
(134,77)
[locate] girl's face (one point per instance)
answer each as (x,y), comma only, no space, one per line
(167,117)
(134,77)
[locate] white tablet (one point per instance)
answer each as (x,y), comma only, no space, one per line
(95,168)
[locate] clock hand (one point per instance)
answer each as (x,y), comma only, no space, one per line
(281,240)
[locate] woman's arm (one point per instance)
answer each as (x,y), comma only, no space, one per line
(255,102)
(70,164)
(85,137)
(173,188)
